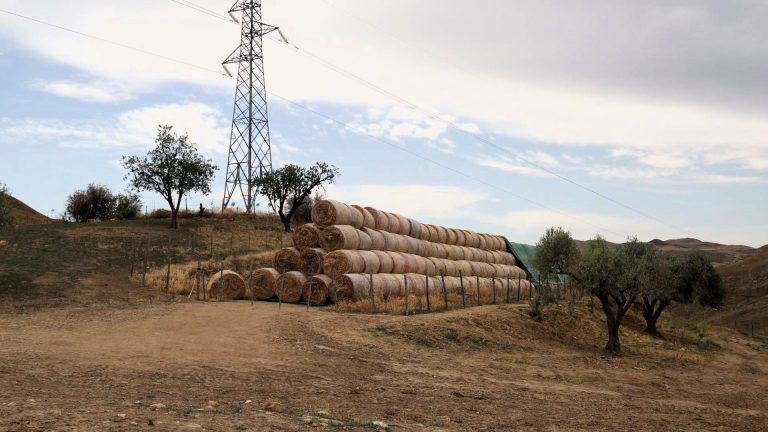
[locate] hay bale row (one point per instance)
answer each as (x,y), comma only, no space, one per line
(356,287)
(328,213)
(340,237)
(341,262)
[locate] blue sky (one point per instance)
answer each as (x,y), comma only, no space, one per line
(658,106)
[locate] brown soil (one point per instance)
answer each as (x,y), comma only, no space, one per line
(488,368)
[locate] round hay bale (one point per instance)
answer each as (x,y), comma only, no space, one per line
(461,237)
(226,285)
(394,223)
(343,261)
(306,236)
(380,218)
(386,265)
(411,245)
(415,231)
(431,268)
(317,290)
(424,234)
(473,240)
(366,243)
(312,261)
(368,220)
(403,224)
(439,266)
(263,283)
(330,212)
(356,287)
(483,242)
(432,230)
(398,262)
(377,239)
(286,260)
(416,284)
(290,286)
(340,237)
(452,236)
(484,270)
(464,268)
(442,234)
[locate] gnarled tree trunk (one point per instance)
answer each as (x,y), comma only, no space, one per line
(652,310)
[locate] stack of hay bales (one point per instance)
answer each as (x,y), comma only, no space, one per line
(349,248)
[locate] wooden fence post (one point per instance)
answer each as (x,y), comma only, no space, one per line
(198,277)
(405,278)
(445,291)
(221,281)
(493,286)
(372,293)
(250,280)
(463,291)
(477,280)
(507,300)
(280,294)
(426,290)
(144,270)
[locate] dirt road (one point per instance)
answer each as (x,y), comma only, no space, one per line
(489,368)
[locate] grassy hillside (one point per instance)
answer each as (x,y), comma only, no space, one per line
(65,263)
(24,214)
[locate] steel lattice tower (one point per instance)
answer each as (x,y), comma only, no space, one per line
(250,153)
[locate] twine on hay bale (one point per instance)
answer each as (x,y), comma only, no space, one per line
(320,288)
(312,261)
(287,259)
(263,283)
(226,285)
(292,289)
(306,236)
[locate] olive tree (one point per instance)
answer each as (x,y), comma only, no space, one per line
(172,169)
(556,253)
(289,187)
(670,279)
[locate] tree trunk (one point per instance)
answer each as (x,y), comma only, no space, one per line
(613,346)
(287,225)
(174,219)
(651,313)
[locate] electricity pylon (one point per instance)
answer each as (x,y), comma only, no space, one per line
(250,153)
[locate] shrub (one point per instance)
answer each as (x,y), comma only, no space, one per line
(6,217)
(128,206)
(160,214)
(94,202)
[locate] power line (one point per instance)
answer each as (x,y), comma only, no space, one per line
(197,7)
(118,44)
(315,112)
(476,136)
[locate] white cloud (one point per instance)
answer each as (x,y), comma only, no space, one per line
(134,129)
(400,122)
(96,91)
(509,165)
(418,201)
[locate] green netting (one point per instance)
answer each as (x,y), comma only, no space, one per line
(524,255)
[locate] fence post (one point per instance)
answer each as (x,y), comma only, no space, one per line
(518,287)
(144,270)
(477,279)
(493,286)
(405,278)
(445,291)
(426,290)
(372,293)
(309,295)
(250,280)
(221,281)
(507,300)
(463,292)
(198,277)
(280,294)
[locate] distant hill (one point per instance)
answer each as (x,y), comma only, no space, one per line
(26,215)
(718,253)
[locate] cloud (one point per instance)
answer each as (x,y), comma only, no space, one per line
(418,201)
(526,164)
(96,91)
(134,129)
(399,122)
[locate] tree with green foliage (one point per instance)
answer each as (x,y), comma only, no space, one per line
(556,253)
(685,280)
(95,202)
(6,215)
(289,187)
(173,169)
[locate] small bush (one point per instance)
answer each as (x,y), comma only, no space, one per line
(95,202)
(303,214)
(6,217)
(128,206)
(160,214)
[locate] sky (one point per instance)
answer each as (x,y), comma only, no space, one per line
(617,118)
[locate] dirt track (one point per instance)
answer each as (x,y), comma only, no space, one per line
(487,368)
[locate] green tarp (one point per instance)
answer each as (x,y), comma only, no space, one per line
(524,255)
